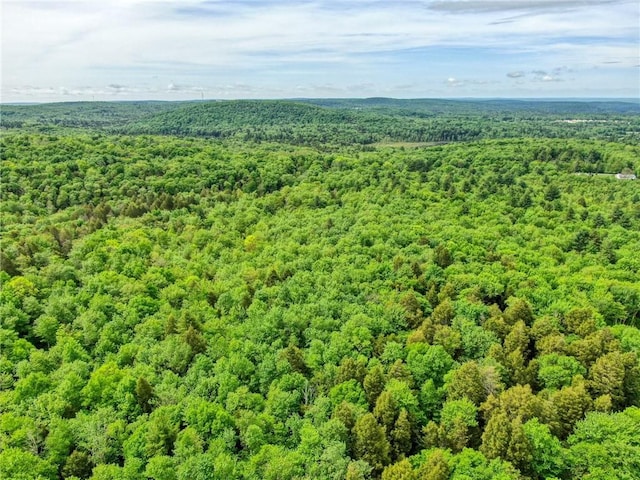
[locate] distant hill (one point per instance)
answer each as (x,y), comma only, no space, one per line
(340,121)
(79,114)
(371,120)
(426,106)
(223,117)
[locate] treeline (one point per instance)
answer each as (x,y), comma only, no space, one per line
(176,308)
(338,122)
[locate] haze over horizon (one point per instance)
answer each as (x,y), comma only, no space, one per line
(170,50)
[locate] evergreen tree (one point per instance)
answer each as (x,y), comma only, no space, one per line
(496,436)
(370,443)
(386,410)
(144,394)
(401,470)
(374,383)
(436,467)
(519,450)
(467,382)
(401,435)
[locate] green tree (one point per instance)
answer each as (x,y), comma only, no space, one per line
(144,394)
(466,381)
(496,436)
(374,383)
(606,445)
(20,465)
(547,459)
(401,470)
(519,451)
(436,467)
(386,410)
(370,443)
(402,435)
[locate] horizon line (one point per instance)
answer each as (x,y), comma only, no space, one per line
(458,99)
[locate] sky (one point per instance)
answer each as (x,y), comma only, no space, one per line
(217,49)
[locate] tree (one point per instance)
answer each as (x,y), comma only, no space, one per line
(144,394)
(442,257)
(606,445)
(401,470)
(435,467)
(374,383)
(571,404)
(386,410)
(402,435)
(17,464)
(552,193)
(546,450)
(428,362)
(466,382)
(518,310)
(161,432)
(615,374)
(295,357)
(580,321)
(443,313)
(556,371)
(519,451)
(358,470)
(78,464)
(496,436)
(161,468)
(370,443)
(458,422)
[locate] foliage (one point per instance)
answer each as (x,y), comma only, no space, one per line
(301,303)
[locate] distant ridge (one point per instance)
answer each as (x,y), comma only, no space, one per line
(339,121)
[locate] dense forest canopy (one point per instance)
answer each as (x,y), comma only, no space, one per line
(320,290)
(322,122)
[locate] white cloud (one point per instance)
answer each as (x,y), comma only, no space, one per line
(190,42)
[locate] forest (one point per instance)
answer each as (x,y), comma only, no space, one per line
(320,289)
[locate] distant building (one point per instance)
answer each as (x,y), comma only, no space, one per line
(625,176)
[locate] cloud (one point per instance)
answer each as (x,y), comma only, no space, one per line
(274,45)
(543,76)
(555,75)
(482,6)
(457,82)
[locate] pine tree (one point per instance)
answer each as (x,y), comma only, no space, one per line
(518,339)
(374,383)
(435,468)
(517,310)
(195,340)
(442,257)
(607,377)
(519,451)
(144,394)
(431,435)
(443,313)
(295,358)
(401,435)
(399,471)
(495,439)
(467,382)
(571,405)
(358,470)
(386,410)
(399,371)
(455,435)
(370,443)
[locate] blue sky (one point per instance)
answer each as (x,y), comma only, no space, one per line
(188,49)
